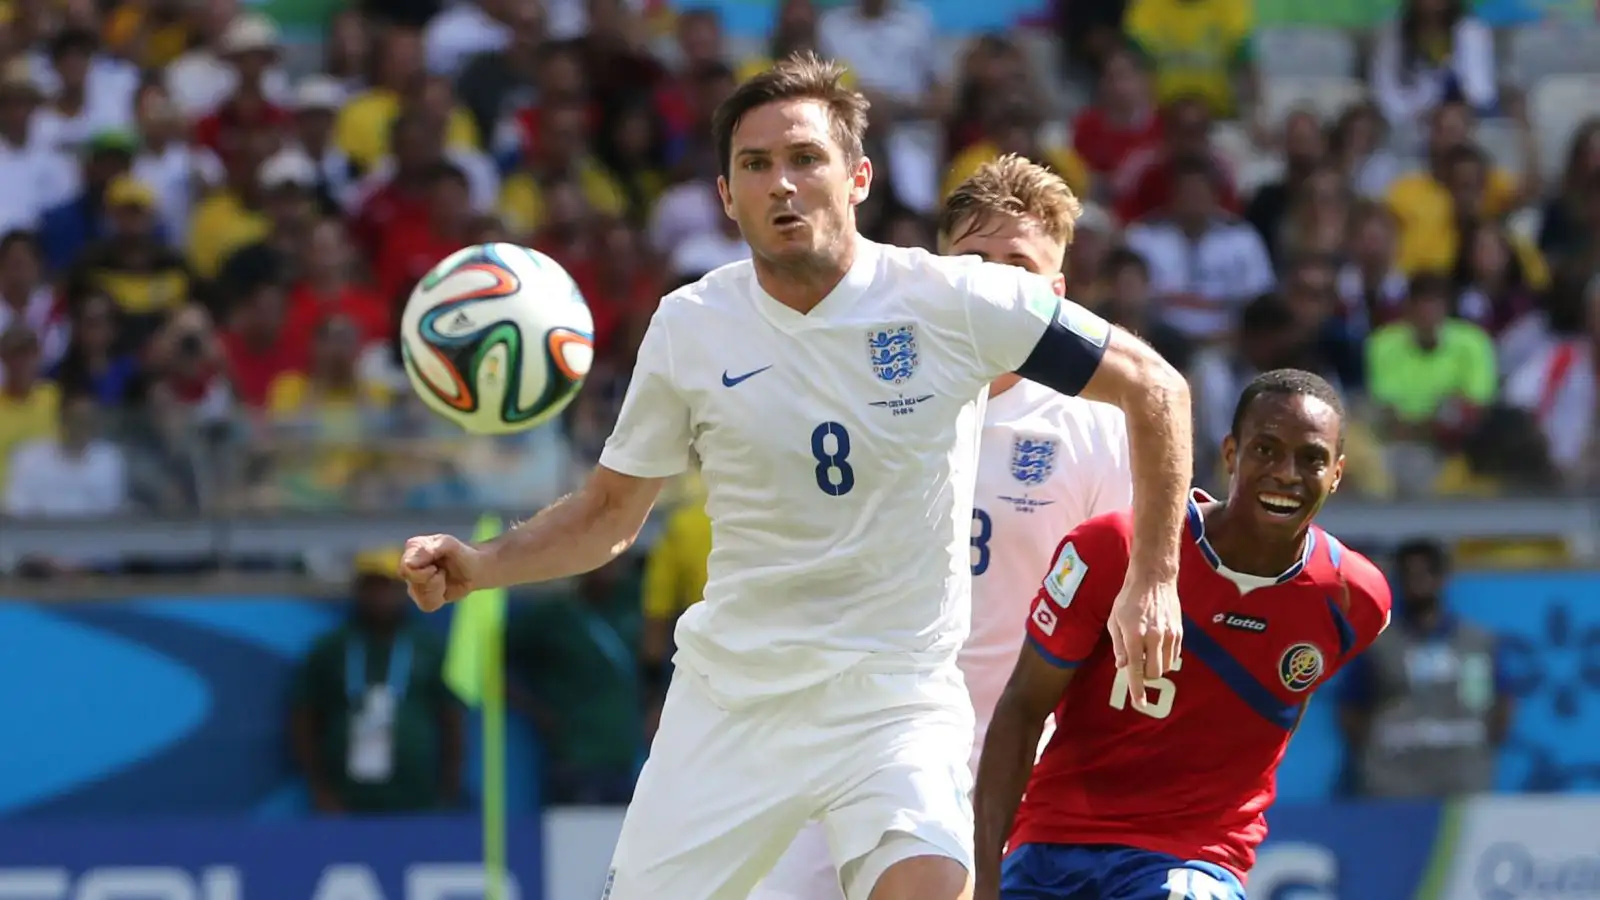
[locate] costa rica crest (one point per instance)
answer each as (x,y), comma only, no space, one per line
(1032,460)
(892,351)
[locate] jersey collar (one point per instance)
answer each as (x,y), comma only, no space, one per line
(1197,530)
(855,283)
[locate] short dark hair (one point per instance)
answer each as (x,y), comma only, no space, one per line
(1466,153)
(803,76)
(1287,382)
(1430,284)
(1266,314)
(1194,167)
(20,237)
(1427,549)
(1125,258)
(74,40)
(447,171)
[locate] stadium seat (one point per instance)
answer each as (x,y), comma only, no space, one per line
(1557,104)
(1327,96)
(1305,53)
(1542,50)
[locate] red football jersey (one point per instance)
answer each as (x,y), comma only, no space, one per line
(1192,774)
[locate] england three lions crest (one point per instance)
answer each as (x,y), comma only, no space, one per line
(893,353)
(1032,460)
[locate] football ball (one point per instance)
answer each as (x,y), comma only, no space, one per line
(497,338)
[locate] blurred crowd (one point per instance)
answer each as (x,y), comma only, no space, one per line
(205,248)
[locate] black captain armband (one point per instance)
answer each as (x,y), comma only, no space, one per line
(1069,351)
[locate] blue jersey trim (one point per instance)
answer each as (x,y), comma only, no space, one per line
(1238,679)
(1049,657)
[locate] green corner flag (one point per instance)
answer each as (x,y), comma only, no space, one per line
(474,670)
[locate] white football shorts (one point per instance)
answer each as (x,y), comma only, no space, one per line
(878,760)
(806,871)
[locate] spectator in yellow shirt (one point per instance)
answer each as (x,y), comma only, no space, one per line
(795,31)
(674,579)
(1015,129)
(232,217)
(1202,48)
(1459,184)
(563,154)
(28,403)
(325,420)
(362,127)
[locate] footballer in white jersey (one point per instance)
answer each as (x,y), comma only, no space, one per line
(1046,461)
(833,390)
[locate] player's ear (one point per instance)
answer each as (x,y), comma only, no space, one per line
(861,181)
(1338,474)
(1059,285)
(726,195)
(1230,454)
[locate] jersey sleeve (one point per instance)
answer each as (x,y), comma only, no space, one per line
(1367,604)
(651,438)
(1018,324)
(1112,487)
(1070,611)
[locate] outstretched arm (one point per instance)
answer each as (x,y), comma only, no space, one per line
(1146,629)
(1009,749)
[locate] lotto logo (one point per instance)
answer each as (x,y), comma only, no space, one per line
(1044,617)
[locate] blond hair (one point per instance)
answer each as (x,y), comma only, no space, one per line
(1012,186)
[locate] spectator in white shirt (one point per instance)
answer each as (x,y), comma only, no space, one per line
(84,99)
(1560,384)
(1204,264)
(177,171)
(76,474)
(1436,51)
(703,251)
(27,298)
(202,79)
(35,177)
(463,30)
(317,100)
(890,47)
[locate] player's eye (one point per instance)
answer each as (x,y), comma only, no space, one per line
(754,165)
(807,159)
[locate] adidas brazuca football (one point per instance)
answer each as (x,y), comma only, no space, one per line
(497,338)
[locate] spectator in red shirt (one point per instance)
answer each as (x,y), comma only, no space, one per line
(417,140)
(1144,185)
(251,46)
(566,235)
(628,286)
(617,53)
(327,288)
(562,82)
(1123,119)
(416,245)
(257,343)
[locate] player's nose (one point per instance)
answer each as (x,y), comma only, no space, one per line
(782,186)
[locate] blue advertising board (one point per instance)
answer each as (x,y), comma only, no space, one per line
(168,707)
(1549,627)
(428,858)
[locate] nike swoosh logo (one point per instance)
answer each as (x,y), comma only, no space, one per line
(731,380)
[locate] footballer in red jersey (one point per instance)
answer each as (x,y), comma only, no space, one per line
(1165,800)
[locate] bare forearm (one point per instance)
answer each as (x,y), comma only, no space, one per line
(1003,771)
(1154,398)
(578,533)
(1161,456)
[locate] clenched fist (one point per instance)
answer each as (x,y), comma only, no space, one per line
(439,569)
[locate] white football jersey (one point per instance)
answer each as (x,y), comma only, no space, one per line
(1047,463)
(838,450)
